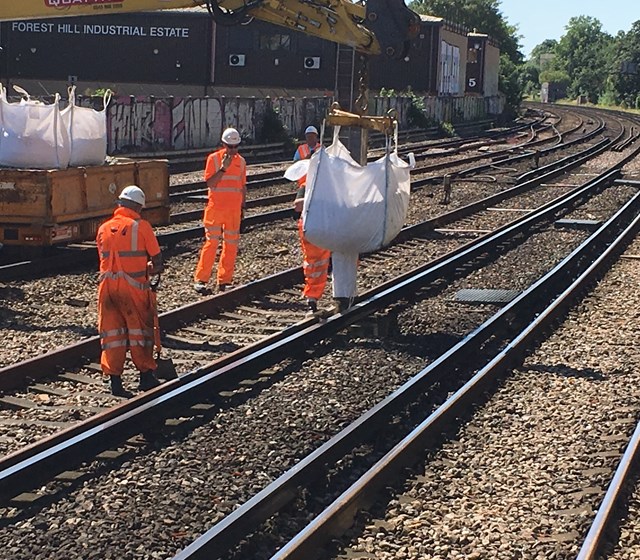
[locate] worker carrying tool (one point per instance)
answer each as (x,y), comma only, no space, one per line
(129,254)
(315,263)
(226,177)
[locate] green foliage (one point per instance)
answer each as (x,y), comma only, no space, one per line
(483,15)
(509,83)
(626,84)
(529,79)
(98,92)
(555,76)
(272,129)
(583,54)
(416,113)
(448,129)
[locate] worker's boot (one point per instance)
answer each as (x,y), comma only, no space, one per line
(312,306)
(342,304)
(148,380)
(117,390)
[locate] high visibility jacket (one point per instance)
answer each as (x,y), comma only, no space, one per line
(229,192)
(303,152)
(125,244)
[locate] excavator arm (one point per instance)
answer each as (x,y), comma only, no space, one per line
(380,26)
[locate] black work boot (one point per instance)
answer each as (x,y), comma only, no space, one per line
(312,306)
(342,304)
(148,380)
(117,390)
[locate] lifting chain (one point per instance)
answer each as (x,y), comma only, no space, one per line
(361,104)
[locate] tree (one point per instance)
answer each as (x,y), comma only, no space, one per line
(483,15)
(529,78)
(625,67)
(583,53)
(509,84)
(543,54)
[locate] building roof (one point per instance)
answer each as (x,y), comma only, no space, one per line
(431,19)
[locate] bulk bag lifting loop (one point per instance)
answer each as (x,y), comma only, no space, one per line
(350,208)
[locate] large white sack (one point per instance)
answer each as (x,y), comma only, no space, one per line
(297,171)
(32,134)
(353,209)
(87,131)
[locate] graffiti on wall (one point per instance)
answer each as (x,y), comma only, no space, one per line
(148,124)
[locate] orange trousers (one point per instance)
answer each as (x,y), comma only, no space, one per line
(219,223)
(126,317)
(315,266)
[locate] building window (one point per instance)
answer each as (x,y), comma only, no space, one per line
(275,42)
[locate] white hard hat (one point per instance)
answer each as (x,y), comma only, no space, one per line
(311,130)
(134,194)
(231,136)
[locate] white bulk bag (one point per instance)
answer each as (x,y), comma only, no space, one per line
(87,131)
(353,209)
(32,133)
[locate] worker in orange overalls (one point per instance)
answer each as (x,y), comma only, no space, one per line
(316,259)
(226,177)
(129,254)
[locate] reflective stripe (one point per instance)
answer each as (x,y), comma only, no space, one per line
(121,343)
(213,228)
(316,264)
(105,255)
(115,344)
(141,331)
(226,189)
(231,241)
(115,275)
(316,274)
(112,332)
(132,253)
(141,343)
(232,232)
(134,235)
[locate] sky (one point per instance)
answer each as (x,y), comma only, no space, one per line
(538,20)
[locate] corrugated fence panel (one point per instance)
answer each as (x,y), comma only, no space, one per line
(177,123)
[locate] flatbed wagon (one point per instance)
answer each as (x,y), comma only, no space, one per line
(44,208)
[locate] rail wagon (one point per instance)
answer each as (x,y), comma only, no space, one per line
(44,208)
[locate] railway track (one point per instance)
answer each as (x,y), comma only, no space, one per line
(286,306)
(118,427)
(82,253)
(498,207)
(72,293)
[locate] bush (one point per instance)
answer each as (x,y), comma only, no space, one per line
(272,129)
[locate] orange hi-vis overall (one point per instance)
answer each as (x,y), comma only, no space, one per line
(316,259)
(222,218)
(126,312)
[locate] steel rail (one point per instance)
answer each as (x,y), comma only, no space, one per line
(35,463)
(339,515)
(268,501)
(616,492)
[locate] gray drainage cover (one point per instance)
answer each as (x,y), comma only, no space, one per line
(589,225)
(473,295)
